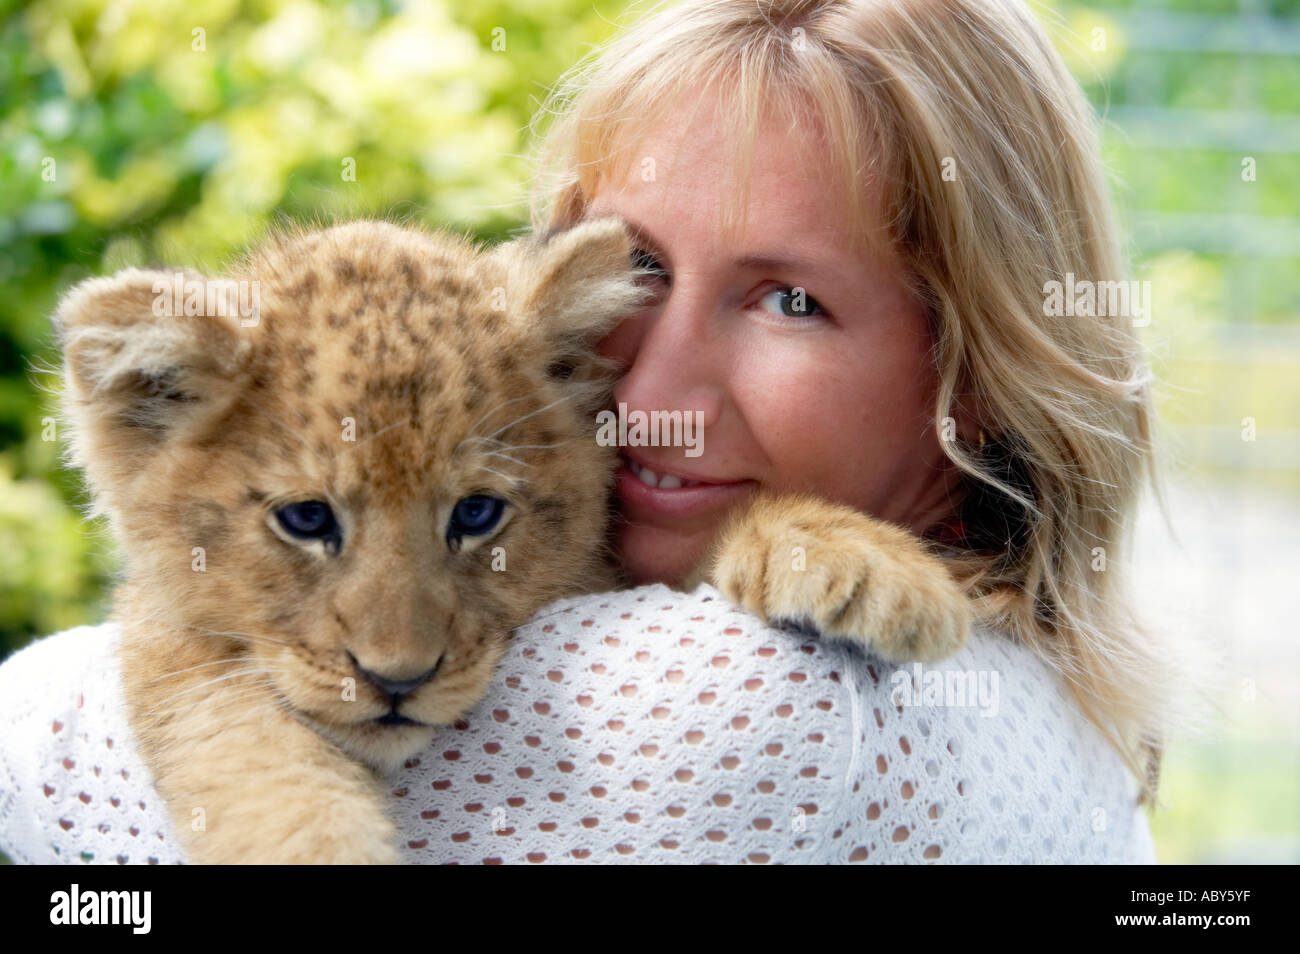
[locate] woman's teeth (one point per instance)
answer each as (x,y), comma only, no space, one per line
(651,479)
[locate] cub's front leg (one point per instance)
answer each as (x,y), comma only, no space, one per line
(246,783)
(795,557)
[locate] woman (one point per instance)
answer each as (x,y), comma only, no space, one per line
(854,209)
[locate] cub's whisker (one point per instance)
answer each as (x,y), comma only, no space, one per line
(494,410)
(218,704)
(513,460)
(243,672)
(250,637)
(519,420)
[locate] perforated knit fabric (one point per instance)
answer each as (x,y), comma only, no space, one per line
(74,788)
(645,726)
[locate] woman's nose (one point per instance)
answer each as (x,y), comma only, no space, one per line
(670,361)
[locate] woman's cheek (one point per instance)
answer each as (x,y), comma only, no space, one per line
(841,422)
(795,427)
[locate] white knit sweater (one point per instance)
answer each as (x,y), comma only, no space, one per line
(644,726)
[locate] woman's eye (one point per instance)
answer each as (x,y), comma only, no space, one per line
(309,520)
(646,262)
(474,516)
(793,303)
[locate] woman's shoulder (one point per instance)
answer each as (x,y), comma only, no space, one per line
(72,781)
(688,698)
(646,726)
(986,757)
(58,669)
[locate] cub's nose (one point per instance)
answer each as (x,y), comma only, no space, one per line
(395,688)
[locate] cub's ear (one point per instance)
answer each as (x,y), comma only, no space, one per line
(573,286)
(137,371)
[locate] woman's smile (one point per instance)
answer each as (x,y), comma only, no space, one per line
(664,492)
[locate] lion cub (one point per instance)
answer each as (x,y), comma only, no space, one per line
(343,474)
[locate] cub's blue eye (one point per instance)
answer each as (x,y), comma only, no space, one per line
(474,516)
(309,520)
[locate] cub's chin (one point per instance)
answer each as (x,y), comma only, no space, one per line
(382,745)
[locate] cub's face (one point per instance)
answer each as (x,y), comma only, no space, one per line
(359,487)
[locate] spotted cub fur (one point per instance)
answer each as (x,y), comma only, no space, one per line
(334,510)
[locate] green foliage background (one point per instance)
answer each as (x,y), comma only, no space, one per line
(165,150)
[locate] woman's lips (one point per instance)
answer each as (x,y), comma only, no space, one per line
(688,499)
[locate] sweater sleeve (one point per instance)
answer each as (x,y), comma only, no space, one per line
(643,726)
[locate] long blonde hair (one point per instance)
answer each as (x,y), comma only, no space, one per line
(983,149)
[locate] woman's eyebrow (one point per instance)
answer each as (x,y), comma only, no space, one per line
(770,262)
(778,263)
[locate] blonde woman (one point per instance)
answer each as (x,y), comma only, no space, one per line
(853,209)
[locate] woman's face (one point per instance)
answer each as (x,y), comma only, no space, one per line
(834,397)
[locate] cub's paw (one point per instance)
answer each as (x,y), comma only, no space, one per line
(797,559)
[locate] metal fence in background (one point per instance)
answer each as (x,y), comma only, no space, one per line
(1243,242)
